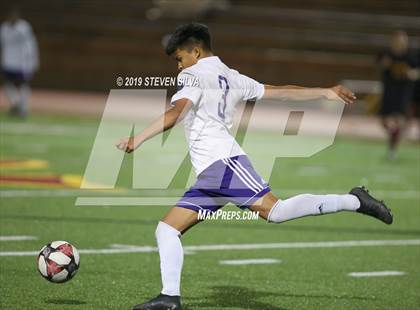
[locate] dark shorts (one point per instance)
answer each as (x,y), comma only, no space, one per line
(16,76)
(396,98)
(227,180)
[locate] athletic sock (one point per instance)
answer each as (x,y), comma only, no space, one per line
(171,258)
(307,204)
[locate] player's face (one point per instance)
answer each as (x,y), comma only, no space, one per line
(186,58)
(399,42)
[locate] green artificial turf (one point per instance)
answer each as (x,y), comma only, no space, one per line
(305,278)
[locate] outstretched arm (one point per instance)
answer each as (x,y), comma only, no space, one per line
(292,92)
(169,119)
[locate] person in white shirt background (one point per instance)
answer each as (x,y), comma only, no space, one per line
(19,61)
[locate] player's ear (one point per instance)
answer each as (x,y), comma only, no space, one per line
(196,52)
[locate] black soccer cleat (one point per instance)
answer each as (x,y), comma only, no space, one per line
(371,206)
(161,302)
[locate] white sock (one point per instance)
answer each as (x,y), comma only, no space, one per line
(171,258)
(307,204)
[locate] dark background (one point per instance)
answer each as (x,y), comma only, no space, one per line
(85,45)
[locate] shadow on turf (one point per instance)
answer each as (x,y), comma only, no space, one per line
(232,297)
(59,301)
(242,297)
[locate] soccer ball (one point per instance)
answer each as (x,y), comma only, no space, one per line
(58,261)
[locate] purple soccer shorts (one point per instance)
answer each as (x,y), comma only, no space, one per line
(226,180)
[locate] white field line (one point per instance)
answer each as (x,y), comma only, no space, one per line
(17,238)
(388,178)
(130,246)
(376,274)
(125,201)
(228,247)
(122,246)
(310,171)
(20,193)
(258,261)
(47,130)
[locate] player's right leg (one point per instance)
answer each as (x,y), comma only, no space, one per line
(12,94)
(359,200)
(168,232)
(25,92)
(394,125)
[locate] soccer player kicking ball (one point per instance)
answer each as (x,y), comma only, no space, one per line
(206,103)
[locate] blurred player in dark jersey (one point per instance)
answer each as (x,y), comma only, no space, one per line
(397,77)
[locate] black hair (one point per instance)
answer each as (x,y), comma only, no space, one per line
(189,34)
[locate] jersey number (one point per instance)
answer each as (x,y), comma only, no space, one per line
(223,84)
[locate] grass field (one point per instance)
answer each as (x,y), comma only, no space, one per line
(308,276)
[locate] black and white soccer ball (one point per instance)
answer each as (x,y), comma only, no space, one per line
(58,261)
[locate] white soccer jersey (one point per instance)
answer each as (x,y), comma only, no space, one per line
(215,90)
(19,50)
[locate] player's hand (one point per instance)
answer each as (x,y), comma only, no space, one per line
(342,93)
(128,145)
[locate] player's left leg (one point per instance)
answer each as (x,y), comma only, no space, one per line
(168,232)
(395,135)
(257,195)
(359,200)
(12,95)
